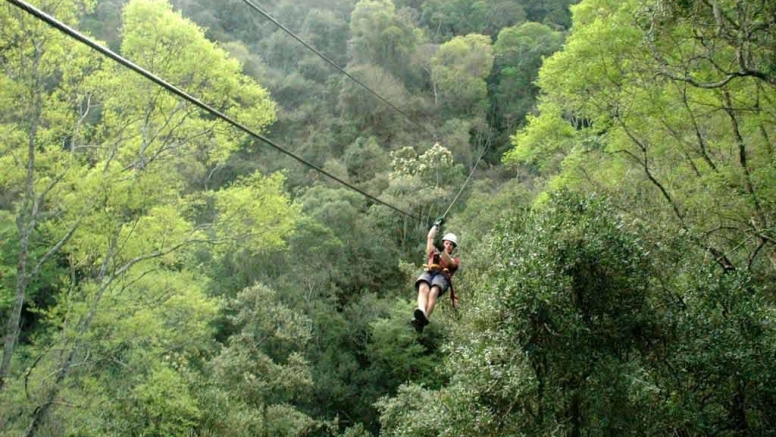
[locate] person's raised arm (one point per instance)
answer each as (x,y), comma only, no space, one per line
(430,238)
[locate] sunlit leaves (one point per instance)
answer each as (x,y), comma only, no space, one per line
(543,138)
(255,213)
(164,404)
(120,162)
(617,117)
(434,165)
(162,41)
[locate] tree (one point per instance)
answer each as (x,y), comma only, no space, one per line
(396,356)
(129,211)
(553,13)
(613,108)
(448,19)
(459,71)
(250,384)
(434,167)
(630,333)
(327,32)
(365,111)
(379,36)
(742,39)
(366,162)
(42,136)
(597,300)
(359,243)
(519,53)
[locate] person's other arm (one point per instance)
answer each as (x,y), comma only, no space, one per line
(448,260)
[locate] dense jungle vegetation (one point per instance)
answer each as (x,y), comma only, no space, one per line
(163,273)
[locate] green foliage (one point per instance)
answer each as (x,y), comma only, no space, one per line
(519,52)
(164,405)
(418,412)
(396,355)
(551,130)
(260,358)
(356,431)
(255,214)
(723,343)
(205,71)
(260,371)
(343,253)
(195,282)
(128,319)
(554,13)
(7,231)
(365,160)
(381,37)
(579,329)
(411,398)
(618,116)
(359,105)
(486,206)
(595,300)
(459,70)
(460,17)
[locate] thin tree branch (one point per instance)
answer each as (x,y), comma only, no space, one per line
(742,158)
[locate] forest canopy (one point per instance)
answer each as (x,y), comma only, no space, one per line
(607,166)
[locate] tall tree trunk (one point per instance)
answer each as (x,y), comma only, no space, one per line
(25,221)
(41,411)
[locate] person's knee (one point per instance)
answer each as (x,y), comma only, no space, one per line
(434,292)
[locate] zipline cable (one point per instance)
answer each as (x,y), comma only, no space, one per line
(72,33)
(266,15)
(470,176)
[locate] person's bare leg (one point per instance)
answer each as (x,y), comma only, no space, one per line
(423,296)
(432,298)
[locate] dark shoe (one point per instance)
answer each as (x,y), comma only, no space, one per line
(417,325)
(420,316)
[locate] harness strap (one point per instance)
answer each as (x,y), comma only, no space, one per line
(436,267)
(453,297)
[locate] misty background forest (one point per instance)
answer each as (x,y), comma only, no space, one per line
(164,273)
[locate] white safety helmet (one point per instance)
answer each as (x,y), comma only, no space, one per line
(451,238)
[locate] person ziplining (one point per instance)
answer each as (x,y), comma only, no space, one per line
(437,278)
